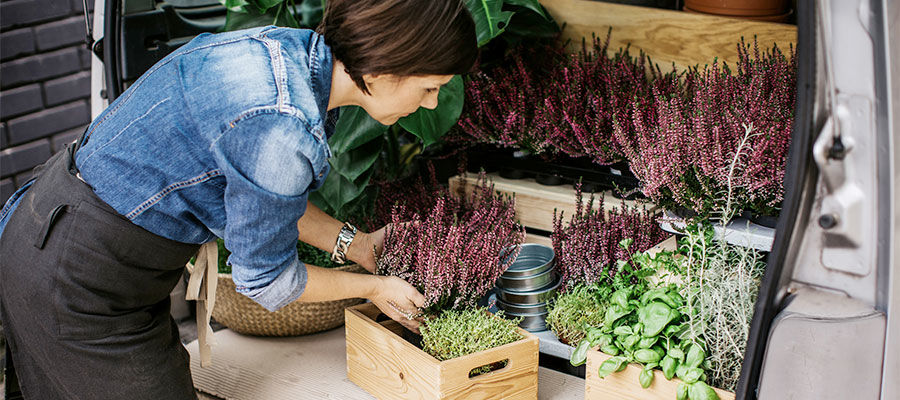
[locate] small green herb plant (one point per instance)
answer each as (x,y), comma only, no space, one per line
(572,312)
(456,333)
(646,322)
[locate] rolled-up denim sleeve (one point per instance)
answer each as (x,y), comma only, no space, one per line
(268,174)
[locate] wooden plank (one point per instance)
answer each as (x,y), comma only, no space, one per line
(383,363)
(535,203)
(517,380)
(667,36)
(624,385)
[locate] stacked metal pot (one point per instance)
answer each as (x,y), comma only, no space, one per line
(525,287)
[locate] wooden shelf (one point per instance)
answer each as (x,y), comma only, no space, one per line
(667,36)
(535,203)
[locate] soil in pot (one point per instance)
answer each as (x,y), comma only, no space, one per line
(513,173)
(767,221)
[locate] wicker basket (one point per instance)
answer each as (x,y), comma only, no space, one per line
(243,315)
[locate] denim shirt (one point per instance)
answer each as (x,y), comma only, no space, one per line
(225,137)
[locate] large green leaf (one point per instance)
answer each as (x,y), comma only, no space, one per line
(354,128)
(490,20)
(250,18)
(338,193)
(532,5)
(430,125)
(353,163)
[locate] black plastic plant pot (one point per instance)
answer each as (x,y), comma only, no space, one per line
(631,194)
(595,187)
(767,221)
(549,179)
(513,173)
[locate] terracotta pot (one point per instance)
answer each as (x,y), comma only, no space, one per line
(739,8)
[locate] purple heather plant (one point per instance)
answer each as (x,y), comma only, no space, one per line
(714,131)
(455,251)
(587,247)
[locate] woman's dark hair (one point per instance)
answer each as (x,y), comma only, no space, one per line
(400,37)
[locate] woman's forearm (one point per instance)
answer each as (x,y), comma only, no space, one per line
(324,284)
(321,230)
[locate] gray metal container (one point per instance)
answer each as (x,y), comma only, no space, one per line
(537,296)
(533,259)
(527,283)
(539,308)
(534,322)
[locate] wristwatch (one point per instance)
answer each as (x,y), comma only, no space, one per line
(339,254)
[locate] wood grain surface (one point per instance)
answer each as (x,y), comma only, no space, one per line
(667,36)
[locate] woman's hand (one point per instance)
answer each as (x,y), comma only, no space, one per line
(399,300)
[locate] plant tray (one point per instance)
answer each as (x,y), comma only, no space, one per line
(624,384)
(387,366)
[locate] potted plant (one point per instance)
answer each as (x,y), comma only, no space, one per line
(453,253)
(713,136)
(587,247)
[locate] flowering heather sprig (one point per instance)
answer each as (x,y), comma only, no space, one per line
(587,247)
(455,251)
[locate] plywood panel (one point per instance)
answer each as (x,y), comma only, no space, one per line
(667,36)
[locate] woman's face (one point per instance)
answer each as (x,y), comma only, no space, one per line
(394,97)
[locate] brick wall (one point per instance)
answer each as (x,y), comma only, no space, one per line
(45,82)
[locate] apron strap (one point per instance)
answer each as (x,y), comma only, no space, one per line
(202,288)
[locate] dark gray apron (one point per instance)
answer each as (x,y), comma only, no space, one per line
(85,296)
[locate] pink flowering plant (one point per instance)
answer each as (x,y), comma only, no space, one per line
(588,246)
(715,136)
(455,251)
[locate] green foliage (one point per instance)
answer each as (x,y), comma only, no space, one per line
(456,333)
(307,253)
(572,312)
(647,323)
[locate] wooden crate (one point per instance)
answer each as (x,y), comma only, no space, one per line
(535,203)
(624,385)
(667,36)
(387,366)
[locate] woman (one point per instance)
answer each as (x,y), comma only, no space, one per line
(225,138)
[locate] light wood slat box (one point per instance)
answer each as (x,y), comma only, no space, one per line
(623,385)
(667,36)
(380,361)
(535,203)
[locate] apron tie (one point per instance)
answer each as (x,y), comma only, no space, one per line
(202,288)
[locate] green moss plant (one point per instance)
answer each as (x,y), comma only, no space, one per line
(456,333)
(572,312)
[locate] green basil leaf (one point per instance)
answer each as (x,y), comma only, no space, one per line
(695,356)
(613,364)
(676,353)
(691,375)
(667,364)
(646,377)
(610,349)
(579,355)
(646,356)
(630,342)
(620,297)
(623,330)
(646,343)
(655,316)
(681,393)
(613,313)
(681,370)
(653,294)
(701,391)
